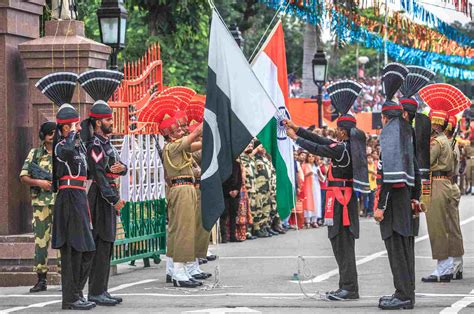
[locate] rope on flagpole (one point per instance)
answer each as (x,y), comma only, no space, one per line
(252,56)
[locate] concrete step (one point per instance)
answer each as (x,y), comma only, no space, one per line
(13,279)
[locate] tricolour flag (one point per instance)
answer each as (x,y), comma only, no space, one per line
(237,110)
(270,68)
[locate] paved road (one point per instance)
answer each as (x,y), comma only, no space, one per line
(256,276)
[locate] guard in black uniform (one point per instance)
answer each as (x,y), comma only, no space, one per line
(72,227)
(104,169)
(348,173)
(395,206)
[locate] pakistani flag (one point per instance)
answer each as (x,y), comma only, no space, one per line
(270,68)
(237,109)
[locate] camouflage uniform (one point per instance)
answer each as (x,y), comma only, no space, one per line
(273,204)
(263,191)
(248,163)
(43,203)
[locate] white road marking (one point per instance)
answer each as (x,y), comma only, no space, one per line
(367,259)
(459,305)
(43,304)
(226,310)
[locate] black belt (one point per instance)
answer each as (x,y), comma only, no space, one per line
(340,184)
(182,181)
(72,182)
(439,173)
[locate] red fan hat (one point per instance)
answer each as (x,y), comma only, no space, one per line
(167,126)
(444,97)
(181,117)
(439,117)
(452,122)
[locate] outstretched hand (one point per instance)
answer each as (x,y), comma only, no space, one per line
(290,124)
(291,133)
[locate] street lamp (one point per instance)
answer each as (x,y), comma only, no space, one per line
(320,67)
(237,34)
(112,17)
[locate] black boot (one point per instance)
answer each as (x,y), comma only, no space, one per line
(41,284)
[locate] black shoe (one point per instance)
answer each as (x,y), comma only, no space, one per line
(235,240)
(202,276)
(433,278)
(396,304)
(78,305)
(118,299)
(386,297)
(279,230)
(458,275)
(261,234)
(169,279)
(41,285)
(342,294)
(102,300)
(211,257)
(85,301)
(202,261)
(270,231)
(199,283)
(185,284)
(250,237)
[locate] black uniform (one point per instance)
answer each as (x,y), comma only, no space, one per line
(342,237)
(71,220)
(103,195)
(234,183)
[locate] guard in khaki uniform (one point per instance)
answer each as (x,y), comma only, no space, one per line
(469,151)
(442,165)
(454,227)
(42,200)
(181,197)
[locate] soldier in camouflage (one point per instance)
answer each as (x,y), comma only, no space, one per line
(42,200)
(248,164)
(263,193)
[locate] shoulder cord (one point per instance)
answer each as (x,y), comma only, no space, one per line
(345,152)
(187,157)
(67,165)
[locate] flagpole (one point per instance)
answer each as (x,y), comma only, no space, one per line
(266,30)
(253,73)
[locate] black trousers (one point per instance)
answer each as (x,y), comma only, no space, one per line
(343,246)
(99,276)
(230,211)
(75,268)
(401,255)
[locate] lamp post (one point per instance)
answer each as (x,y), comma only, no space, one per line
(112,17)
(320,67)
(237,34)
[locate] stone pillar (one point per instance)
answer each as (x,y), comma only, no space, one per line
(63,48)
(19,22)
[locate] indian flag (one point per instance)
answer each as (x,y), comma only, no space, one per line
(270,68)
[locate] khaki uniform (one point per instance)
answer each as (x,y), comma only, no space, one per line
(441,159)
(454,227)
(469,149)
(202,235)
(182,201)
(43,203)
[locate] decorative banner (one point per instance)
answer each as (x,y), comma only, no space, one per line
(351,32)
(403,31)
(418,11)
(432,61)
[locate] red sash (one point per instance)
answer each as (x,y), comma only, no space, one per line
(342,195)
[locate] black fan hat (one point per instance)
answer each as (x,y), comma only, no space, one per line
(343,94)
(100,84)
(417,78)
(393,76)
(58,87)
